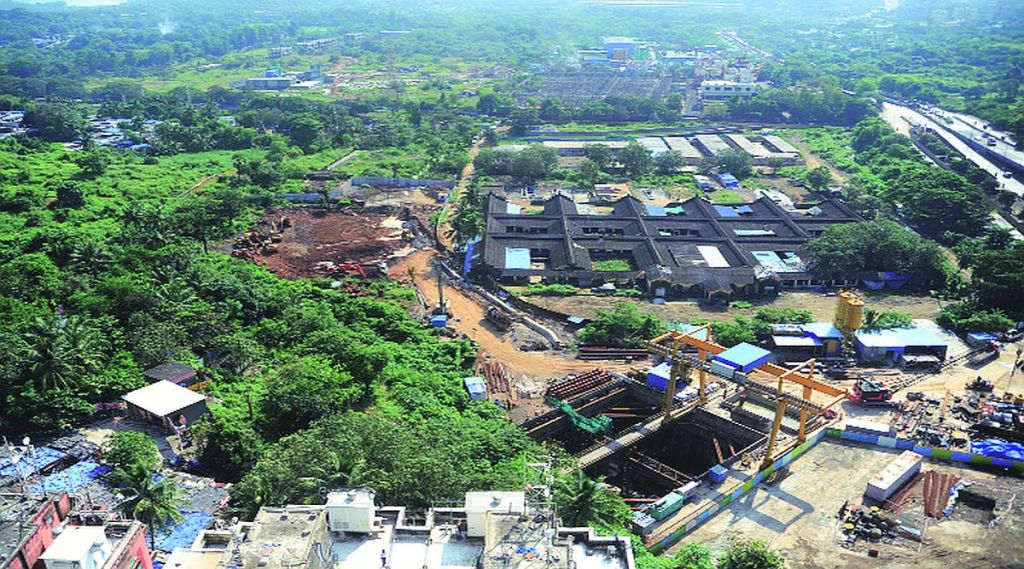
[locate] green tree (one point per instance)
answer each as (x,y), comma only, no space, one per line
(669,162)
(967,316)
(305,390)
(583,501)
(819,178)
(228,447)
(92,162)
(636,160)
(63,353)
(935,201)
(998,278)
(600,154)
(32,277)
(124,449)
(56,122)
(590,172)
(693,556)
(886,319)
(152,503)
(622,326)
(735,162)
(533,163)
(468,221)
(869,246)
(70,194)
(749,554)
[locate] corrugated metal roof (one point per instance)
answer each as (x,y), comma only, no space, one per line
(796,341)
(744,356)
(879,339)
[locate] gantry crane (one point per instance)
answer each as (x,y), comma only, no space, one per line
(670,344)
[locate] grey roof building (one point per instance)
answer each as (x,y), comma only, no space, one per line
(692,248)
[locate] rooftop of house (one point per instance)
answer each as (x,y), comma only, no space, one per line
(174,372)
(16,513)
(293,536)
(163,398)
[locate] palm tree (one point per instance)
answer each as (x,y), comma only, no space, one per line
(152,503)
(62,352)
(583,500)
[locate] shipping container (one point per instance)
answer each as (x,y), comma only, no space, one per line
(894,476)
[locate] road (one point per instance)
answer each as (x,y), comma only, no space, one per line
(893,114)
(898,116)
(469,319)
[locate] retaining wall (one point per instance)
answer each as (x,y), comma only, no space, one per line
(724,501)
(930,452)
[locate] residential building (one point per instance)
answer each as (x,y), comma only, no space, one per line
(174,372)
(488,530)
(167,404)
(27,526)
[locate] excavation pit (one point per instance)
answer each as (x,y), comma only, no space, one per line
(678,454)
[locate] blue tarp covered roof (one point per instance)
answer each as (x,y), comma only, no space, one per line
(822,330)
(900,338)
(726,211)
(880,339)
(744,357)
(44,456)
(655,210)
(917,336)
(517,258)
(661,370)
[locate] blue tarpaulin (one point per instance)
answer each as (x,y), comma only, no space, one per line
(999,449)
(44,456)
(183,534)
(468,265)
(72,478)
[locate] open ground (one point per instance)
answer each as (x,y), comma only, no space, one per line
(797,516)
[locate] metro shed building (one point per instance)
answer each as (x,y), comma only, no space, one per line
(688,249)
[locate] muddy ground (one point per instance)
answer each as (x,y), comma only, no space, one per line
(317,235)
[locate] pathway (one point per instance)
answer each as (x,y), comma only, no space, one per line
(470,320)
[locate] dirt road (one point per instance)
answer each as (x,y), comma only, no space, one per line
(469,319)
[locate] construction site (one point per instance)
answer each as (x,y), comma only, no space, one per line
(306,242)
(892,470)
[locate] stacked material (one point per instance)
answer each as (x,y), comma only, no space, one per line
(894,475)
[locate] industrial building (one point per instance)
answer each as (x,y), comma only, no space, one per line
(762,150)
(488,530)
(722,90)
(692,248)
(913,345)
(801,342)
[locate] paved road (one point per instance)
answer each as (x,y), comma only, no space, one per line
(898,116)
(894,115)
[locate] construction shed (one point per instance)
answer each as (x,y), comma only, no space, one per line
(174,372)
(894,476)
(476,387)
(805,341)
(900,345)
(744,357)
(166,404)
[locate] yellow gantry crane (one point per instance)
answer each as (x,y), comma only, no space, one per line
(670,345)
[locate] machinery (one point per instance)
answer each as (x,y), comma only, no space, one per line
(870,392)
(598,425)
(498,317)
(980,384)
